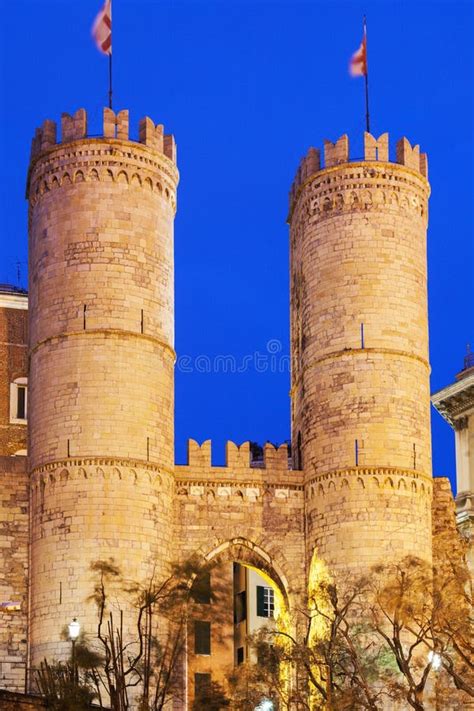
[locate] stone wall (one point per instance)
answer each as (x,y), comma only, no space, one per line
(246,512)
(13,571)
(20,702)
(253,512)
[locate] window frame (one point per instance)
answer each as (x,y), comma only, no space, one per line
(201,591)
(15,386)
(202,638)
(265,601)
(202,682)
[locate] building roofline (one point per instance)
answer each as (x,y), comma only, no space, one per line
(452,401)
(12,297)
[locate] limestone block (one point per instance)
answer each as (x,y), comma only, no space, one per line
(335,153)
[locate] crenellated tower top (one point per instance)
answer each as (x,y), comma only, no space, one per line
(115,126)
(375,150)
(111,156)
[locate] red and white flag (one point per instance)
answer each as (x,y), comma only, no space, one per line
(358,63)
(102,29)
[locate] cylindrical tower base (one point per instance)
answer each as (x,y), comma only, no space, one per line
(85,511)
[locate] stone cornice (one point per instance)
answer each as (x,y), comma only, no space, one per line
(249,490)
(14,301)
(103,152)
(76,162)
(368,471)
(98,461)
(455,400)
(238,484)
(212,483)
(379,171)
(105,332)
(228,476)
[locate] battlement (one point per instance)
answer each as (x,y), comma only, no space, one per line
(238,458)
(115,126)
(375,149)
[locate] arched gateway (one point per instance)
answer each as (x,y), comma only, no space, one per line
(102,479)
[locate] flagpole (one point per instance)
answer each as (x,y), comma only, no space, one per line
(110,80)
(110,60)
(367,115)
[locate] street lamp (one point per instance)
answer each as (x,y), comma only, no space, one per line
(74,629)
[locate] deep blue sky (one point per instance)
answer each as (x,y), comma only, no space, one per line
(247,86)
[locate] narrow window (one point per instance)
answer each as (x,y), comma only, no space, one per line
(202,685)
(202,637)
(299,454)
(240,607)
(21,402)
(240,655)
(265,601)
(201,590)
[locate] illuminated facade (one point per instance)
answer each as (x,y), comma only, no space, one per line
(100,480)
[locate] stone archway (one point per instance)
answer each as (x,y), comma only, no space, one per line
(239,570)
(243,551)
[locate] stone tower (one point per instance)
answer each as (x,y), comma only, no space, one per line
(360,370)
(101,448)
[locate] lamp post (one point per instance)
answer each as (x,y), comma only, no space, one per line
(74,629)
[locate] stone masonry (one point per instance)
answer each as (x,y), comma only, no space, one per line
(101,299)
(360,370)
(101,482)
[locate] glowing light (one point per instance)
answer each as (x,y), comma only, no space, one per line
(74,629)
(265,705)
(434,659)
(320,609)
(283,624)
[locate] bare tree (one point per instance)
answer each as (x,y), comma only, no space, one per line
(424,615)
(331,658)
(141,669)
(401,607)
(58,684)
(148,663)
(452,619)
(249,683)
